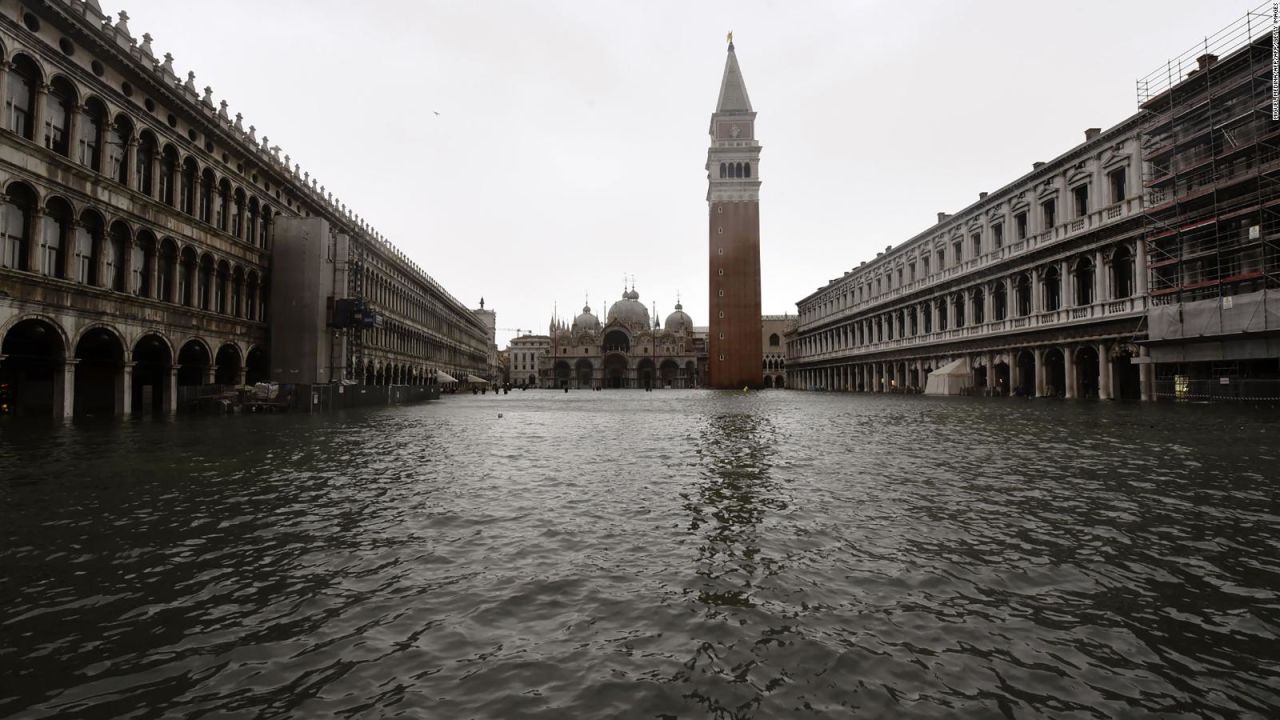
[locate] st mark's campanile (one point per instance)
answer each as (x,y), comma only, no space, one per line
(735,355)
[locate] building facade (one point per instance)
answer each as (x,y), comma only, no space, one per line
(733,202)
(1212,153)
(526,353)
(138,221)
(773,332)
(625,351)
(1142,264)
(1038,288)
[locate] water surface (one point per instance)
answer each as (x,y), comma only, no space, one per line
(674,554)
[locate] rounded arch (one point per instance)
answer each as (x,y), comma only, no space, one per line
(33,348)
(100,355)
(21,189)
(47,320)
(27,75)
(157,339)
(255,365)
(168,174)
(196,341)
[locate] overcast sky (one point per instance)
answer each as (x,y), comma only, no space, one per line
(570,141)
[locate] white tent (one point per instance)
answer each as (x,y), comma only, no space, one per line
(444,378)
(950,379)
(477,380)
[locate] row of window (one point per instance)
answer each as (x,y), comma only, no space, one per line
(56,244)
(970,307)
(735,170)
(92,139)
(907,273)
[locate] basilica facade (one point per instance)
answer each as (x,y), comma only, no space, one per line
(626,350)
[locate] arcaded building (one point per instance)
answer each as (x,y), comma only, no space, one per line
(1037,288)
(137,230)
(626,350)
(733,203)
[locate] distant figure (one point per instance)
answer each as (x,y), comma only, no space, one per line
(566,388)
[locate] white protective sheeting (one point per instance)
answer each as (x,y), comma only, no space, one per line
(953,378)
(445,378)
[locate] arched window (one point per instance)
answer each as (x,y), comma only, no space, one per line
(774,340)
(207,190)
(722,169)
(116,149)
(54,237)
(224,204)
(168,174)
(188,266)
(204,282)
(147,149)
(142,261)
(251,237)
(166,271)
(59,104)
(942,314)
(1022,291)
(220,283)
(237,214)
(188,192)
(88,249)
(1052,288)
(89,150)
(746,170)
(1084,281)
(264,228)
(1000,300)
(1122,273)
(20,96)
(117,243)
(251,296)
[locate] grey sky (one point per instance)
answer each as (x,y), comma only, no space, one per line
(571,136)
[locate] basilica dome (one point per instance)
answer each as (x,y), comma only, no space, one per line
(679,321)
(586,322)
(630,311)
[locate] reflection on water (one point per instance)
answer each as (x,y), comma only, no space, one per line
(729,504)
(667,554)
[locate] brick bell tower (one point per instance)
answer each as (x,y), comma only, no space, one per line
(734,352)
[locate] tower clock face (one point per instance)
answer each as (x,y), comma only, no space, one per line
(735,132)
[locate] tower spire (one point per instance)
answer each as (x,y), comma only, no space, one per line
(733,90)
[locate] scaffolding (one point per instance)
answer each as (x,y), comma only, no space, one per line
(1212,176)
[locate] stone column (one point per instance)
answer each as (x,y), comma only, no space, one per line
(991,373)
(1069,372)
(1146,375)
(1140,267)
(154,162)
(124,390)
(70,246)
(171,392)
(35,257)
(153,276)
(1104,372)
(73,136)
(64,390)
(1040,389)
(242,373)
(1010,299)
(1037,302)
(1100,275)
(130,153)
(38,113)
(4,88)
(211,375)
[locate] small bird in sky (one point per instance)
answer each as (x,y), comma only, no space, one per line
(436,113)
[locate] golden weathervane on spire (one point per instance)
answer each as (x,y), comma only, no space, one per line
(729,38)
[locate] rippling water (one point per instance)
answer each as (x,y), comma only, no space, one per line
(675,554)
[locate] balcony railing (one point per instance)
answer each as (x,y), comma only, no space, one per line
(1063,317)
(1092,221)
